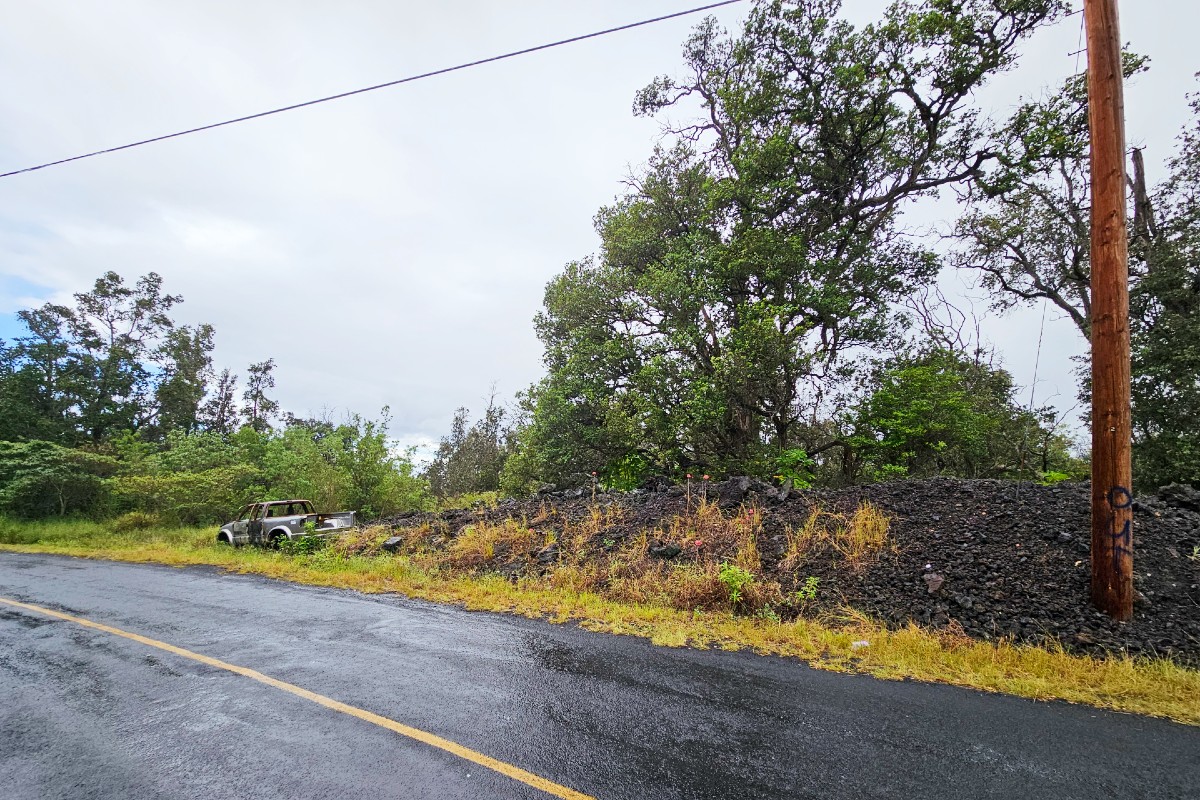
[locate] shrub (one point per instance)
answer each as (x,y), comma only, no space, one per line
(735,579)
(135,521)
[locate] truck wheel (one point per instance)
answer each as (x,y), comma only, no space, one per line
(223,538)
(276,539)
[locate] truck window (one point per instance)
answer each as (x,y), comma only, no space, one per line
(246,514)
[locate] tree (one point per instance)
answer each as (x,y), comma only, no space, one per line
(1165,323)
(472,456)
(114,361)
(1027,234)
(935,412)
(114,332)
(259,408)
(754,254)
(39,479)
(185,360)
(1027,228)
(219,412)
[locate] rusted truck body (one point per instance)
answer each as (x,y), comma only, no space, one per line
(269,523)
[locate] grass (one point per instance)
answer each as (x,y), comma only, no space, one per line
(644,602)
(856,537)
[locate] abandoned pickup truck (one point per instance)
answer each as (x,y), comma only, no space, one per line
(268,524)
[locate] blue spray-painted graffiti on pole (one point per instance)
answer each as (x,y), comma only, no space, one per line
(1120,498)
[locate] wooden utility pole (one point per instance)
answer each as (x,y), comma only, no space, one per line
(1112,474)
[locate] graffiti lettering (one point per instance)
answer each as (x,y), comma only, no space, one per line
(1122,540)
(1120,497)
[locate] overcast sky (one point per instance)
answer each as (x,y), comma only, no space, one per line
(392,248)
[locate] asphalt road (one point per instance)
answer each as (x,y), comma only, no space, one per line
(85,713)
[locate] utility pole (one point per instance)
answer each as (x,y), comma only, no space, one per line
(1112,474)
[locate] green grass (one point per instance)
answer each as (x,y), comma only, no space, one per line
(1153,687)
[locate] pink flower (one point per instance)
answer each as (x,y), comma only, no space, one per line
(705,477)
(699,543)
(689,476)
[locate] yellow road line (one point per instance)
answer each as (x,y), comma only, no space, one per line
(475,757)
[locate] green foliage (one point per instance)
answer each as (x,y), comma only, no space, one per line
(39,479)
(113,361)
(203,477)
(807,592)
(1165,325)
(735,579)
(70,531)
(135,521)
(260,409)
(471,458)
(1026,230)
(795,465)
(749,259)
(188,498)
(626,473)
(938,412)
(302,546)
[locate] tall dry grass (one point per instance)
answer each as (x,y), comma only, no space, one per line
(857,538)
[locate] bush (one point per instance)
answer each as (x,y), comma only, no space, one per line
(42,479)
(135,521)
(190,498)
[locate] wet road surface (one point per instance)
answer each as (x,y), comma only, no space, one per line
(85,713)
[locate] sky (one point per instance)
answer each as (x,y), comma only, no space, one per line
(391,249)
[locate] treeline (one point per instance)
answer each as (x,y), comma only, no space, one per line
(108,407)
(758,305)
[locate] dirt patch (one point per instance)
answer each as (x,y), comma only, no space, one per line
(996,559)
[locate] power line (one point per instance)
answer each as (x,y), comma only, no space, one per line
(409,79)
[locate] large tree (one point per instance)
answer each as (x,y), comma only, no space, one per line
(1026,231)
(1165,323)
(764,244)
(115,360)
(1027,234)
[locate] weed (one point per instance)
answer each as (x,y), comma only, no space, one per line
(768,613)
(735,579)
(360,542)
(804,595)
(808,591)
(865,535)
(303,546)
(476,545)
(796,466)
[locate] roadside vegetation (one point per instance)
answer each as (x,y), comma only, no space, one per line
(719,601)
